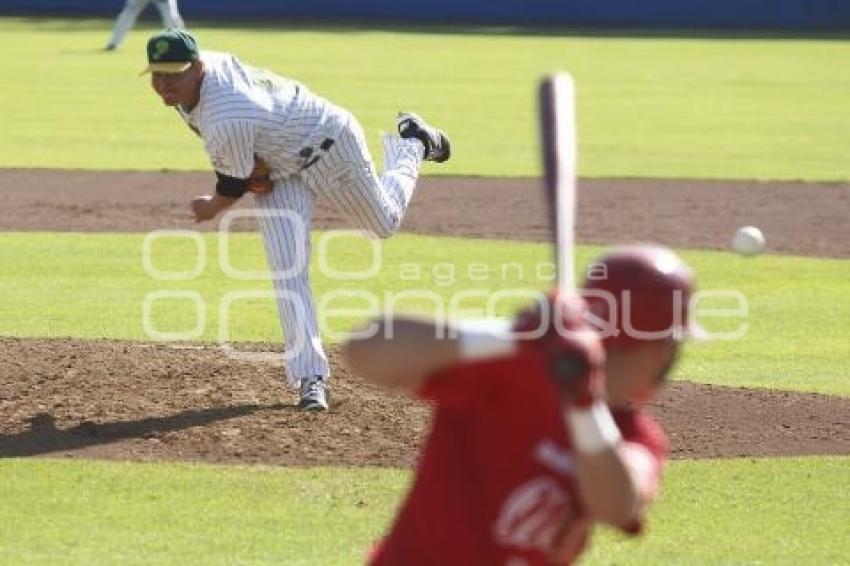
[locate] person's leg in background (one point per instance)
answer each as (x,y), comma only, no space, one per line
(170,14)
(125,21)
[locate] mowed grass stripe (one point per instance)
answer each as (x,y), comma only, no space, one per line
(647,106)
(95,286)
(771,511)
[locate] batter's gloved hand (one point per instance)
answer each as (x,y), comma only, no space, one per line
(573,353)
(259,181)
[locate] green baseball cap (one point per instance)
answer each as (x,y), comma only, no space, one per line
(171,51)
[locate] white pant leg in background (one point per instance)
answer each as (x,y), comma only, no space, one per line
(345,174)
(284,216)
(125,20)
(169,13)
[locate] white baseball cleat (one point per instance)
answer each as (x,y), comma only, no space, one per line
(437,145)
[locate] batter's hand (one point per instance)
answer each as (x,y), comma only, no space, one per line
(259,181)
(555,327)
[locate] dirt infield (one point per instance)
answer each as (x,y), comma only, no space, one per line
(797,218)
(110,399)
(121,400)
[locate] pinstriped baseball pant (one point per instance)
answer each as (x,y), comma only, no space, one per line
(345,175)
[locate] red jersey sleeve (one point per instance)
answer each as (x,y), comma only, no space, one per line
(462,384)
(637,426)
(647,447)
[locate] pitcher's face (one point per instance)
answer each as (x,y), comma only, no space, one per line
(179,88)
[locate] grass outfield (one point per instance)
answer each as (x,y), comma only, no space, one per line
(771,511)
(94,286)
(648,106)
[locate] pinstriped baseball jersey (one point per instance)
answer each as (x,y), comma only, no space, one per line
(313,148)
(244,111)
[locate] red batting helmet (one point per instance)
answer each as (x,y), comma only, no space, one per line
(637,293)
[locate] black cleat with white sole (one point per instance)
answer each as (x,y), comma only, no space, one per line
(437,145)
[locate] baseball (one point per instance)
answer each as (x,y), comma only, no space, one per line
(748,240)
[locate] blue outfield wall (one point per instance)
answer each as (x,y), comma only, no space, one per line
(728,14)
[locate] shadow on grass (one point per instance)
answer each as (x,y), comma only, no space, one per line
(43,437)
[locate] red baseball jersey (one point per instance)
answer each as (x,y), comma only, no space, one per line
(496,480)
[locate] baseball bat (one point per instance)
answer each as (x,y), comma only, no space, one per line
(558,129)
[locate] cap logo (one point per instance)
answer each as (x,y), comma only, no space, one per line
(160,48)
